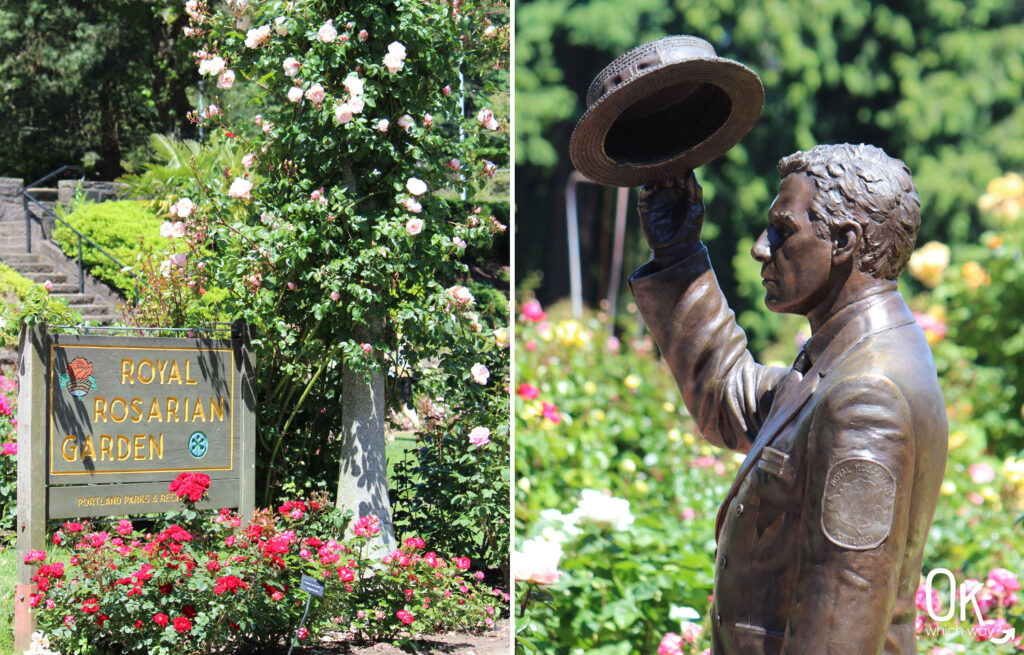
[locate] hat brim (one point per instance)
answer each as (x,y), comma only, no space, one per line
(666,121)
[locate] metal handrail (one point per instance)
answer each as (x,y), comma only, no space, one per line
(28,230)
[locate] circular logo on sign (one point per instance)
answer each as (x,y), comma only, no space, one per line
(198,444)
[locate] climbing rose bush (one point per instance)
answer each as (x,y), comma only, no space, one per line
(351,215)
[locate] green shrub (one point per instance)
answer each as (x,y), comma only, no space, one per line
(121,227)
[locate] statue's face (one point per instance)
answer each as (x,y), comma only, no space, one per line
(796,263)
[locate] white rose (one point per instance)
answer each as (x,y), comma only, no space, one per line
(327,33)
(604,510)
(414,226)
(416,186)
(354,85)
(538,561)
(255,37)
(248,159)
(212,66)
(480,373)
(295,94)
(406,122)
(343,113)
(226,79)
(184,207)
(356,104)
(315,94)
(281,26)
(393,62)
(240,188)
(291,66)
(412,205)
(397,49)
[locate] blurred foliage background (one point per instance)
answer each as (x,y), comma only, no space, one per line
(937,83)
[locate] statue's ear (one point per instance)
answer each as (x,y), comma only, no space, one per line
(845,242)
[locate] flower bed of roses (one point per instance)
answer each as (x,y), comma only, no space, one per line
(615,547)
(219,584)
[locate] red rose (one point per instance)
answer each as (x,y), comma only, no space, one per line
(188,611)
(461,562)
(90,606)
(405,617)
(79,369)
(160,619)
(182,624)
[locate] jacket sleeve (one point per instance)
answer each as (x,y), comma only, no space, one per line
(855,521)
(724,389)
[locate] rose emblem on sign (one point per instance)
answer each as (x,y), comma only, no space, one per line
(78,379)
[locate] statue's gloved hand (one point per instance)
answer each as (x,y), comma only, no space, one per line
(672,215)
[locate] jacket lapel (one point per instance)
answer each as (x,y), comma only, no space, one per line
(794,395)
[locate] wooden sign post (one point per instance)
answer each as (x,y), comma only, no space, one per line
(106,423)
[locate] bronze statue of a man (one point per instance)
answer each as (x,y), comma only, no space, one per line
(821,537)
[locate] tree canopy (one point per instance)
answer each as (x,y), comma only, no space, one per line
(87,82)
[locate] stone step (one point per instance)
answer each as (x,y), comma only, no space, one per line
(92,310)
(20,257)
(33,267)
(54,278)
(75,298)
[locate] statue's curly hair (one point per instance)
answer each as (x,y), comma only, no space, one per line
(861,183)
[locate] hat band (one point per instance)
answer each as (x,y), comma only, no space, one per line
(654,59)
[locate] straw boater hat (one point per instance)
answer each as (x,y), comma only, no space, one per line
(663,108)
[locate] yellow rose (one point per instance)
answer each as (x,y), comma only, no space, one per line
(929,263)
(589,388)
(668,407)
(571,333)
(689,439)
(641,486)
(673,435)
(957,439)
(975,276)
(631,382)
(948,488)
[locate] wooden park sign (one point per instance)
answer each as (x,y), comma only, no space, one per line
(105,424)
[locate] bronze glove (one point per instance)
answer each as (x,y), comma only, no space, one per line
(672,215)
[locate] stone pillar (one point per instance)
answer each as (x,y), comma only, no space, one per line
(363,474)
(11,206)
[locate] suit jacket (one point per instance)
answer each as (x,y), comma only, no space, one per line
(821,537)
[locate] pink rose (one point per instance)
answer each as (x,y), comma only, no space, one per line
(291,67)
(533,312)
(212,66)
(248,159)
(383,125)
(295,94)
(671,644)
(990,629)
(691,632)
(10,448)
(48,285)
(479,436)
(363,35)
(406,122)
(335,296)
(981,473)
(414,226)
